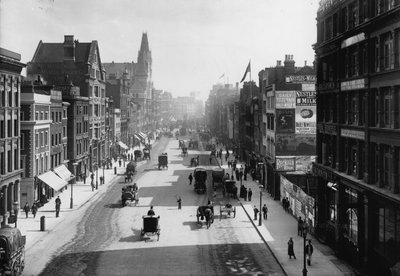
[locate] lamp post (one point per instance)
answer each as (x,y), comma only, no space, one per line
(304,250)
(261,188)
(72,186)
(104,164)
(97,177)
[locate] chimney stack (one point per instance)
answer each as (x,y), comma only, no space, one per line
(305,63)
(69,48)
(289,64)
(278,63)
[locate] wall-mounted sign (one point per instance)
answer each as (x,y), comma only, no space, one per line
(300,78)
(308,87)
(285,99)
(353,84)
(350,133)
(285,164)
(353,40)
(296,145)
(285,120)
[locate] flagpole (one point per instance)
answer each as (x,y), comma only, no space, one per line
(251,93)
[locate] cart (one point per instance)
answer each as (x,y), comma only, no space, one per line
(230,188)
(150,227)
(163,161)
(205,212)
(12,251)
(146,153)
(228,209)
(200,177)
(217,176)
(129,195)
(138,154)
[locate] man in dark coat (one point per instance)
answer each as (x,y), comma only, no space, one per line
(255,212)
(58,206)
(249,194)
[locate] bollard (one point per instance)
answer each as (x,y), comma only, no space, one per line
(115,170)
(42,223)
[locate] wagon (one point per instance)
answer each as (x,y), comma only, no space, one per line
(230,188)
(217,176)
(137,154)
(150,227)
(228,209)
(163,161)
(12,251)
(129,195)
(200,177)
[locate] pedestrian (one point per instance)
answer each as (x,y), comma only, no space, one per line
(190,178)
(245,172)
(309,251)
(284,203)
(179,202)
(290,248)
(26,209)
(151,211)
(34,209)
(229,163)
(237,174)
(287,205)
(255,212)
(84,178)
(249,194)
(245,193)
(58,205)
(210,160)
(119,162)
(101,180)
(300,227)
(265,211)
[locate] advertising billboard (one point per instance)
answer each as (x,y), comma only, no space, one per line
(306,112)
(297,145)
(294,163)
(285,120)
(285,99)
(285,164)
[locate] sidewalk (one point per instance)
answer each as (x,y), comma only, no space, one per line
(277,230)
(82,193)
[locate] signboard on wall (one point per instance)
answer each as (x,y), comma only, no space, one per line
(306,112)
(285,99)
(297,145)
(300,78)
(285,164)
(285,120)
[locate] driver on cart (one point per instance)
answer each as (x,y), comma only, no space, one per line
(228,206)
(151,211)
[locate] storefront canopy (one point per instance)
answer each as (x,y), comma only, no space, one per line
(137,137)
(53,180)
(142,136)
(122,145)
(64,173)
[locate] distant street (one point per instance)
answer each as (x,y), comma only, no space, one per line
(108,240)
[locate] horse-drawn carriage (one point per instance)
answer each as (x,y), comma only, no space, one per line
(193,144)
(230,188)
(12,251)
(217,176)
(150,227)
(200,177)
(146,153)
(228,209)
(129,195)
(163,161)
(205,212)
(130,171)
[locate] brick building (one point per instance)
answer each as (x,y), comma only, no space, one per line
(358,131)
(10,168)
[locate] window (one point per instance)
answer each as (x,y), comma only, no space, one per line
(9,162)
(353,10)
(96,91)
(22,141)
(387,107)
(332,205)
(388,223)
(64,131)
(52,139)
(36,140)
(96,110)
(387,49)
(9,132)
(2,161)
(41,115)
(351,217)
(386,169)
(41,139)
(52,116)
(354,161)
(46,142)
(46,115)
(36,115)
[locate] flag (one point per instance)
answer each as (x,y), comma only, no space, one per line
(223,75)
(247,71)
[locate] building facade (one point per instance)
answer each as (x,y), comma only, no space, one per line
(10,141)
(358,138)
(79,63)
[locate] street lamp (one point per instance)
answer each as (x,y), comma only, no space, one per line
(261,188)
(304,249)
(72,186)
(97,177)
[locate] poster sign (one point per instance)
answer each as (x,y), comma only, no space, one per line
(285,99)
(304,163)
(285,163)
(297,145)
(306,112)
(285,120)
(300,78)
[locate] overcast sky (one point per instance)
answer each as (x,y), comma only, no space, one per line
(193,42)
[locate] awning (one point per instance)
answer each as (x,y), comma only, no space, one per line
(122,145)
(64,173)
(137,137)
(53,180)
(141,135)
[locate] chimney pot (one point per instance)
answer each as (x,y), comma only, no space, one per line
(305,63)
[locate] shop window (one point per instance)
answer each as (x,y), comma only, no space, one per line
(351,218)
(388,236)
(332,205)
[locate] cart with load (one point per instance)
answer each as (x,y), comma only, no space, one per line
(205,212)
(230,188)
(200,177)
(150,227)
(217,176)
(137,154)
(228,209)
(130,195)
(12,251)
(163,161)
